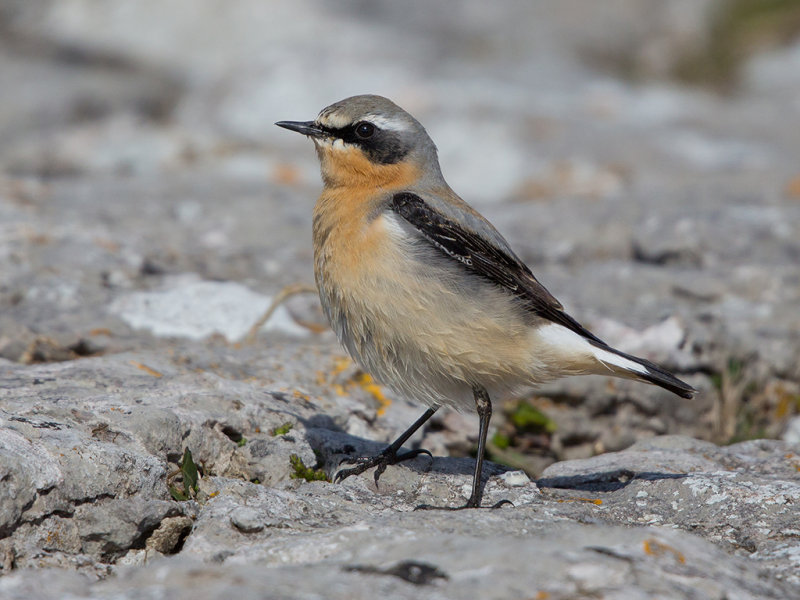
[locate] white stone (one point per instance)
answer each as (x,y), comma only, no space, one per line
(515,478)
(191,308)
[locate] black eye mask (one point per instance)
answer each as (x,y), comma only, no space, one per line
(381,145)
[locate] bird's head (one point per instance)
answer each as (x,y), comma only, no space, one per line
(369,140)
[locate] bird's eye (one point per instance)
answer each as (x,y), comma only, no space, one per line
(364,129)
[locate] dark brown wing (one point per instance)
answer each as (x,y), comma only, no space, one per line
(484,258)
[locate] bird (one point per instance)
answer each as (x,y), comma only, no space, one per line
(423,292)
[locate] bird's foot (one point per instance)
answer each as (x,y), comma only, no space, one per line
(471,503)
(381,461)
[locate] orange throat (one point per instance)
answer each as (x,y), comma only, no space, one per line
(347,236)
(351,168)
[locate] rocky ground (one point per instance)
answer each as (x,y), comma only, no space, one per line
(149,212)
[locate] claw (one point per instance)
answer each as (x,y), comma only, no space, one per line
(381,461)
(343,474)
(379,471)
(355,461)
(413,454)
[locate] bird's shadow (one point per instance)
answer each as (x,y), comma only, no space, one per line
(605,481)
(334,448)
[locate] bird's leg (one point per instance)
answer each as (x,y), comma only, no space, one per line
(389,455)
(484,407)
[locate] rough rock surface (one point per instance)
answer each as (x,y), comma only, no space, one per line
(149,212)
(85,486)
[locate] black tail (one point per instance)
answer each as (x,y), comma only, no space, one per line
(654,374)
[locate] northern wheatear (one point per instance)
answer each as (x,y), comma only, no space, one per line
(422,291)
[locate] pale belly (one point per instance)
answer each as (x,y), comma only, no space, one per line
(429,331)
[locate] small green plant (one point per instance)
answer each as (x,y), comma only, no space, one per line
(735,368)
(522,437)
(716,381)
(241,442)
(301,471)
(187,469)
(282,429)
(737,419)
(528,418)
(501,440)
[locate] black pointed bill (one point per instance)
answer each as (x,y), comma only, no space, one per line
(309,128)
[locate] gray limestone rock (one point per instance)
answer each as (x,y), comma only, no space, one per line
(668,515)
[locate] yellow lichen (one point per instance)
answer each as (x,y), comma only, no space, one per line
(340,365)
(146,369)
(595,501)
(360,379)
(368,384)
(653,547)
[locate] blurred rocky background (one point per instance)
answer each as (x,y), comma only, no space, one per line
(641,156)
